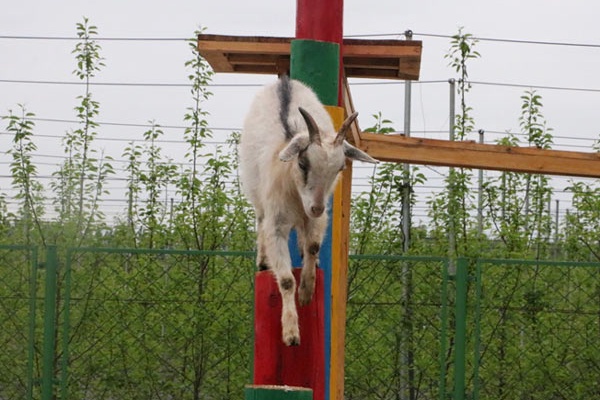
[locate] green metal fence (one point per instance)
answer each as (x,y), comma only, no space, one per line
(537,330)
(19,362)
(395,326)
(169,324)
(143,324)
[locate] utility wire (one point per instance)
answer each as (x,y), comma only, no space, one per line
(134,84)
(482,39)
(396,34)
(238,85)
(115,39)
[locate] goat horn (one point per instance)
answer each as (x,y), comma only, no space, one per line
(313,129)
(339,139)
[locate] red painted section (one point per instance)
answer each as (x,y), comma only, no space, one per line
(274,362)
(322,20)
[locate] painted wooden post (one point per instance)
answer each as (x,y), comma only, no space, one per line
(316,61)
(322,21)
(274,362)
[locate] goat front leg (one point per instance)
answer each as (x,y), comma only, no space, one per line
(276,236)
(310,237)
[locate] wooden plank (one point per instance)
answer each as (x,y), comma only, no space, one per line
(413,150)
(349,108)
(390,59)
(245,47)
(353,50)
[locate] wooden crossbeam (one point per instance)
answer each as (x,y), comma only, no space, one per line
(363,58)
(414,150)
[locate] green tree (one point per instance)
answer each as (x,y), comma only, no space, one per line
(377,213)
(452,211)
(154,180)
(24,171)
(80,181)
(517,203)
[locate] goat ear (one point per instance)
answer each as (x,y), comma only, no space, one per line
(339,139)
(295,146)
(355,154)
(313,129)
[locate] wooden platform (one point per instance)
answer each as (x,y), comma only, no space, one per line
(383,59)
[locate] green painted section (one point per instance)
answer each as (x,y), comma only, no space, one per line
(317,65)
(277,393)
(49,324)
(460,341)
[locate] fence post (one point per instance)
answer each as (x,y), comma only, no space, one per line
(460,330)
(49,323)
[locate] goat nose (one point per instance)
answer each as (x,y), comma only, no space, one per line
(317,210)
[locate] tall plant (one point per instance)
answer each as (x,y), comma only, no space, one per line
(582,223)
(451,211)
(81,179)
(24,171)
(517,203)
(154,180)
(189,185)
(377,213)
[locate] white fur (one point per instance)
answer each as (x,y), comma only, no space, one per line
(274,182)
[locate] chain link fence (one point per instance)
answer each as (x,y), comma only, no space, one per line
(157,325)
(537,330)
(394,328)
(168,324)
(19,362)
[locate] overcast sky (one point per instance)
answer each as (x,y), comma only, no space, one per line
(571,113)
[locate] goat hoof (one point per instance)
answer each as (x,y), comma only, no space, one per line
(263,267)
(292,337)
(305,293)
(304,297)
(293,341)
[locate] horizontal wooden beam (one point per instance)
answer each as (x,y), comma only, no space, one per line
(413,150)
(363,58)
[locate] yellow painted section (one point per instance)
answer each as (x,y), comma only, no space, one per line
(339,268)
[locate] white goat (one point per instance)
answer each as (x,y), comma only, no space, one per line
(290,158)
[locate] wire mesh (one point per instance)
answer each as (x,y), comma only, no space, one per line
(394,328)
(539,326)
(157,325)
(19,363)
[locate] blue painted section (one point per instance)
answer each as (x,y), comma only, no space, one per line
(325,264)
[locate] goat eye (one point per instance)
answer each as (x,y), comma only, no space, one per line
(303,166)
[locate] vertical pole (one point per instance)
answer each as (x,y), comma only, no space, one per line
(66,327)
(339,286)
(556,222)
(315,61)
(49,324)
(406,167)
(451,227)
(480,194)
(319,24)
(33,253)
(460,329)
(407,371)
(452,125)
